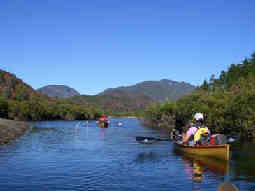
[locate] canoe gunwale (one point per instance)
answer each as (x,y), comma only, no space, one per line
(201,147)
(217,151)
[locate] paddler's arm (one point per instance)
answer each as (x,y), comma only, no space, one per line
(186,138)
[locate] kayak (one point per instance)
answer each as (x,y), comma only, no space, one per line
(215,151)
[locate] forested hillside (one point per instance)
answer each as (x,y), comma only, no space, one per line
(20,101)
(14,88)
(235,73)
(228,103)
(158,91)
(117,103)
(132,100)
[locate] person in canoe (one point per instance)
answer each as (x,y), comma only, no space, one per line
(198,132)
(103,122)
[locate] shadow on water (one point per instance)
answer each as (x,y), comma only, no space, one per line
(243,159)
(36,129)
(144,157)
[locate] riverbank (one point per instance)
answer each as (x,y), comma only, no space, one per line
(11,130)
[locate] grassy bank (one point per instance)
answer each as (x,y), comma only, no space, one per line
(11,130)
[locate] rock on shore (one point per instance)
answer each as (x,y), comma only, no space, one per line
(11,130)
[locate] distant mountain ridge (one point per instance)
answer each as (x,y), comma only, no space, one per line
(159,91)
(137,97)
(59,91)
(134,98)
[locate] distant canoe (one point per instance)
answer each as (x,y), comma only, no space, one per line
(103,124)
(216,151)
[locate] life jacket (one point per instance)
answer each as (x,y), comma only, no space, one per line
(201,132)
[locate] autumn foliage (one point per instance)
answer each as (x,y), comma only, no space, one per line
(19,101)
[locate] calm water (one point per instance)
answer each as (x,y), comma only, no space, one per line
(75,156)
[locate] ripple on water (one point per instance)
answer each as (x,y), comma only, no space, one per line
(69,156)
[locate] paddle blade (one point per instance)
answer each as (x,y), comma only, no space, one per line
(145,138)
(150,139)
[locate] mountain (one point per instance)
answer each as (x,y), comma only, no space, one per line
(116,100)
(137,97)
(59,91)
(158,91)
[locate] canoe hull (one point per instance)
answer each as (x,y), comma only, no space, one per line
(217,151)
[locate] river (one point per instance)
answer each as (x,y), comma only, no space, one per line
(74,155)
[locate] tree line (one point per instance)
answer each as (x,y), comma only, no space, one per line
(19,101)
(228,103)
(37,109)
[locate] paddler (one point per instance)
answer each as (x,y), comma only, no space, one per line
(193,134)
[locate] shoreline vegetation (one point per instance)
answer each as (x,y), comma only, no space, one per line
(228,104)
(11,130)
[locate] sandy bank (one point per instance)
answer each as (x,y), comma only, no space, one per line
(11,130)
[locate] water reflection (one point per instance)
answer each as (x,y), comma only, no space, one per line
(147,157)
(243,159)
(199,167)
(102,133)
(77,155)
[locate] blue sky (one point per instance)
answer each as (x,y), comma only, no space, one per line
(92,45)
